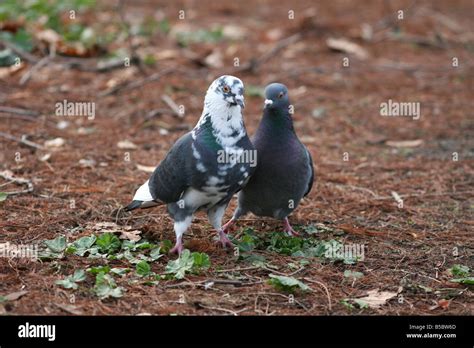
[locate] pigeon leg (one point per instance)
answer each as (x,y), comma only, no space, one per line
(225,241)
(288,229)
(226,228)
(178,248)
(215,217)
(179,228)
(238,213)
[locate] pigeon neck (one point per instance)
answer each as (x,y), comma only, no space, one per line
(220,124)
(278,120)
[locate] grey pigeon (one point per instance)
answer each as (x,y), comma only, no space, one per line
(205,167)
(284,173)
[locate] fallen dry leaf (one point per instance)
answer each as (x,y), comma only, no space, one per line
(234,32)
(346,46)
(444,303)
(15,295)
(376,298)
(126,232)
(131,235)
(167,54)
(214,60)
(10,70)
(49,36)
(69,308)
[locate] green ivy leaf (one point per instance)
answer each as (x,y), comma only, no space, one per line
(71,281)
(103,291)
(459,270)
(166,245)
(361,303)
(155,254)
(82,246)
(287,284)
(466,280)
(180,266)
(353,274)
(56,245)
(201,260)
(3,196)
(99,269)
(143,268)
(105,286)
(120,271)
(67,283)
(108,243)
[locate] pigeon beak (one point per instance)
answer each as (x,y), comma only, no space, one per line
(240,101)
(268,102)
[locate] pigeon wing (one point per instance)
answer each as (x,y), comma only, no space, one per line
(311,179)
(170,179)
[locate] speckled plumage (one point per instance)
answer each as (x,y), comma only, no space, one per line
(191,177)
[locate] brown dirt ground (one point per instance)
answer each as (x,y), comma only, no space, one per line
(406,247)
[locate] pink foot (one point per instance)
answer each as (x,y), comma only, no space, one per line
(178,248)
(227,227)
(225,241)
(288,229)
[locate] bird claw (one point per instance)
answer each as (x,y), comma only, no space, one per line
(289,230)
(177,249)
(225,241)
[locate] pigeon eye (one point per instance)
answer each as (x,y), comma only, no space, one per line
(226,89)
(281,95)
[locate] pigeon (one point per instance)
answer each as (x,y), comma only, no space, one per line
(205,167)
(284,173)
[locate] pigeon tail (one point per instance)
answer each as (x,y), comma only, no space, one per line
(141,204)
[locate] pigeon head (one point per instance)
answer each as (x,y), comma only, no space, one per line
(223,111)
(226,90)
(276,97)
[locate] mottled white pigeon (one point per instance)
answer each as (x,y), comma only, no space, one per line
(284,173)
(205,167)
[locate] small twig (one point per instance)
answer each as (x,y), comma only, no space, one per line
(157,112)
(421,274)
(137,83)
(7,175)
(325,289)
(173,106)
(256,62)
(428,195)
(237,269)
(21,140)
(21,52)
(203,283)
(41,63)
(223,309)
(12,110)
